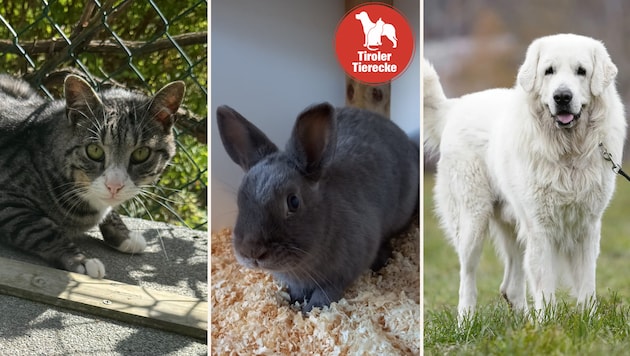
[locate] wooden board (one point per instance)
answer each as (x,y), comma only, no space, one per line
(102,297)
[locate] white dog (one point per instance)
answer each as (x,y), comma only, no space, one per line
(371,30)
(523,164)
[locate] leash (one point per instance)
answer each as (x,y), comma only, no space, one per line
(615,166)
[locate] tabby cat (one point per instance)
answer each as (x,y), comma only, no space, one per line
(65,164)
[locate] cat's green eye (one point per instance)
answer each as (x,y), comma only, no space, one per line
(95,152)
(140,155)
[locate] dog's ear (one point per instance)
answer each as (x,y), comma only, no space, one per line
(526,77)
(604,70)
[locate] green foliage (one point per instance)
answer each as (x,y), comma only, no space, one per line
(131,28)
(496,330)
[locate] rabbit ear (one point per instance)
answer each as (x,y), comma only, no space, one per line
(243,141)
(314,138)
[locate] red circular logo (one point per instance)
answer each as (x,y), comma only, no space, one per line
(374,43)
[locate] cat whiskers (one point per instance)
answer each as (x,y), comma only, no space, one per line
(159,199)
(145,191)
(144,126)
(97,126)
(159,233)
(155,197)
(72,197)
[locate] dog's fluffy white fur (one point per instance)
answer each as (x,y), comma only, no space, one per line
(523,164)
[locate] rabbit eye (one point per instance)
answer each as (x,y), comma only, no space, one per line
(293,203)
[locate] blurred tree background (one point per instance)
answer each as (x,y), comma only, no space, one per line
(136,44)
(480,44)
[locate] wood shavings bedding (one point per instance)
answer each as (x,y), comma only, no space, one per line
(379,314)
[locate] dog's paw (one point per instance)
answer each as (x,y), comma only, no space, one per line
(134,244)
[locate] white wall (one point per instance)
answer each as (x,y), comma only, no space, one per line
(405,102)
(269,60)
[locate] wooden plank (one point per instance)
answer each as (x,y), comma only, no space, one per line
(106,298)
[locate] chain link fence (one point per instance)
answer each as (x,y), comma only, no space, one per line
(139,45)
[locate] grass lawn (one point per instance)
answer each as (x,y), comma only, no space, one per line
(495,330)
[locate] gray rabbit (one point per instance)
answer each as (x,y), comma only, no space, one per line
(320,213)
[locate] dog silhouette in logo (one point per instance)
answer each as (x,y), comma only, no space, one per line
(374,31)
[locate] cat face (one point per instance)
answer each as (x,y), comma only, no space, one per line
(122,141)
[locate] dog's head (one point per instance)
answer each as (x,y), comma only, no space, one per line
(361,15)
(566,72)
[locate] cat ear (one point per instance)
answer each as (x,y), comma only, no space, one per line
(81,100)
(166,102)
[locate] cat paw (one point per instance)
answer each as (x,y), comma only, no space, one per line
(93,267)
(134,244)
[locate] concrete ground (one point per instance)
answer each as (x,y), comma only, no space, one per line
(175,260)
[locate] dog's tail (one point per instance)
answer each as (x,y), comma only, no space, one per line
(434,101)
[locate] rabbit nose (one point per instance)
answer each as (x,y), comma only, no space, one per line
(257,259)
(260,254)
(255,253)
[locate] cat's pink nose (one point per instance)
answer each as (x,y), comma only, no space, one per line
(114,187)
(115,181)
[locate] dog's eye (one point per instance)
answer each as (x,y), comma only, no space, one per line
(581,71)
(549,71)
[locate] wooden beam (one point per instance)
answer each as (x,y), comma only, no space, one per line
(364,96)
(371,97)
(128,303)
(350,4)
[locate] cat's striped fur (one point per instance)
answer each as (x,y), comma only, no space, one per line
(65,164)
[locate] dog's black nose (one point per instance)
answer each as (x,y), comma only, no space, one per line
(562,96)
